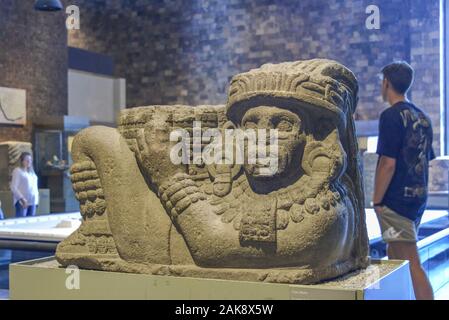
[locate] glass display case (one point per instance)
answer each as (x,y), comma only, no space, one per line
(52,141)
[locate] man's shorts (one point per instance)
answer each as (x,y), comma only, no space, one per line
(395,227)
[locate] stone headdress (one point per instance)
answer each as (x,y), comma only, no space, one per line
(299,85)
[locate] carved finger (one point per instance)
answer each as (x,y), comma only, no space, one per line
(197,197)
(174,188)
(220,209)
(216,200)
(174,213)
(192,189)
(181,176)
(179,185)
(169,206)
(183,204)
(178,196)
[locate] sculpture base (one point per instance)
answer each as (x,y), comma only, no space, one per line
(46,279)
(285,275)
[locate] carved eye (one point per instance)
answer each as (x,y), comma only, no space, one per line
(284,125)
(250,125)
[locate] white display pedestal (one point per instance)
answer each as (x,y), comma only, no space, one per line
(45,279)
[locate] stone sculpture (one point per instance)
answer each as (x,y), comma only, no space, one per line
(303,224)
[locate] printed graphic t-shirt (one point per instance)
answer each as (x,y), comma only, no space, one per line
(405,134)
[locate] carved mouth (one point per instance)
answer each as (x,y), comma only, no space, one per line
(265,164)
(259,173)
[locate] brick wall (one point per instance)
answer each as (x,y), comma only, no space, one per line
(33,56)
(186,51)
(425,58)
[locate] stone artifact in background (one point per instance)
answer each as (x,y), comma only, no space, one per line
(369,174)
(10,152)
(439,175)
(304,223)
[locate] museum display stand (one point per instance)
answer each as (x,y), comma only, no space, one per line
(45,279)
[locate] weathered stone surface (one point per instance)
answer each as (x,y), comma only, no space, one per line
(10,152)
(302,224)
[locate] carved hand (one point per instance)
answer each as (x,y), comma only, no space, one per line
(179,193)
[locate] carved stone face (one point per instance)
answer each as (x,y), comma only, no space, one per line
(291,138)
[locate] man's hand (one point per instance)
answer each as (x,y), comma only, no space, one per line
(24,203)
(378,209)
(384,173)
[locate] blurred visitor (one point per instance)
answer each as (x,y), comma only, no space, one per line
(2,216)
(24,187)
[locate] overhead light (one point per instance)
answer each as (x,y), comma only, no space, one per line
(48,5)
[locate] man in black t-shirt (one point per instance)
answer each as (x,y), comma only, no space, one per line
(400,192)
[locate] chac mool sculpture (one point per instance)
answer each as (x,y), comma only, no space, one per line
(304,223)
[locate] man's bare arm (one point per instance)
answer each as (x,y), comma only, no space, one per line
(384,174)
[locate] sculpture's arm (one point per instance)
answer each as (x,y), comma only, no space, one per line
(211,242)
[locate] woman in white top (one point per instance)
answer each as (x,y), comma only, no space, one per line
(24,187)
